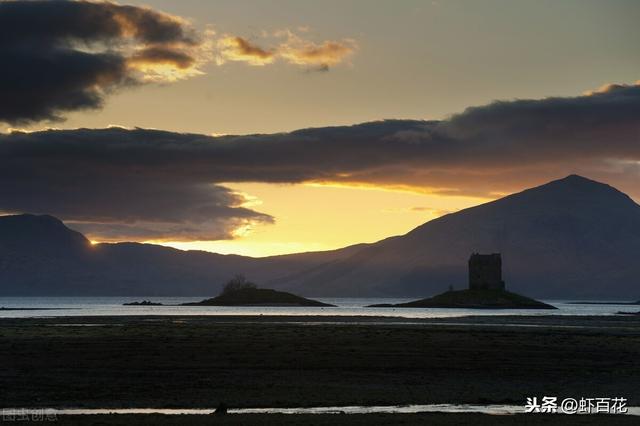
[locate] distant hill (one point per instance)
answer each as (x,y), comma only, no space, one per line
(570,238)
(40,256)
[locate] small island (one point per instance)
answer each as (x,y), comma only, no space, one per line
(143,303)
(240,292)
(486,290)
(473,299)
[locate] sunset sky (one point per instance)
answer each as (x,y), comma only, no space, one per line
(176,121)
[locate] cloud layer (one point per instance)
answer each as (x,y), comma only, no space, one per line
(60,56)
(289,47)
(63,56)
(137,184)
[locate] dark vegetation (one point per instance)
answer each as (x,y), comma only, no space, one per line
(238,283)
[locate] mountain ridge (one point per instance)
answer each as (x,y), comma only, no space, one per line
(433,255)
(572,237)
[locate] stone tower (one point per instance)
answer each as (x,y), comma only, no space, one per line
(485,272)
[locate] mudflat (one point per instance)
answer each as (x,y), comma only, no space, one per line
(262,361)
(431,419)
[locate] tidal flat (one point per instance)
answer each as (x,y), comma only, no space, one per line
(422,419)
(261,361)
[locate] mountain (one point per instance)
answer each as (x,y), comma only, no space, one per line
(40,256)
(570,238)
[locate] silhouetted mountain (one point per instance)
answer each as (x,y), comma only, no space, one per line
(569,238)
(40,256)
(39,234)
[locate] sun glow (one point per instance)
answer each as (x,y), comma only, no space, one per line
(314,217)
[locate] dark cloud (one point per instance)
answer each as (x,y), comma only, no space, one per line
(126,200)
(163,55)
(169,183)
(60,56)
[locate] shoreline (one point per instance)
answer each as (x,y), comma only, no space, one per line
(420,419)
(489,409)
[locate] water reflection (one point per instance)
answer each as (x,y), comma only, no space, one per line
(23,307)
(354,409)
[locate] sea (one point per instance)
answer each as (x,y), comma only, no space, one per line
(27,307)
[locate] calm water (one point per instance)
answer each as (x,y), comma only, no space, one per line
(90,306)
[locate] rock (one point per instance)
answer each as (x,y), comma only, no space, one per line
(143,303)
(222,409)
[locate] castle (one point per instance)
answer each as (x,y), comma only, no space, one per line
(485,272)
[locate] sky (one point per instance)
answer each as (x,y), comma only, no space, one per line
(414,60)
(153,106)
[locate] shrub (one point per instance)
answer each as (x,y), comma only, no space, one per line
(237,283)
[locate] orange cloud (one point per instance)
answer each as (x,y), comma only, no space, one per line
(294,50)
(610,87)
(234,48)
(323,56)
